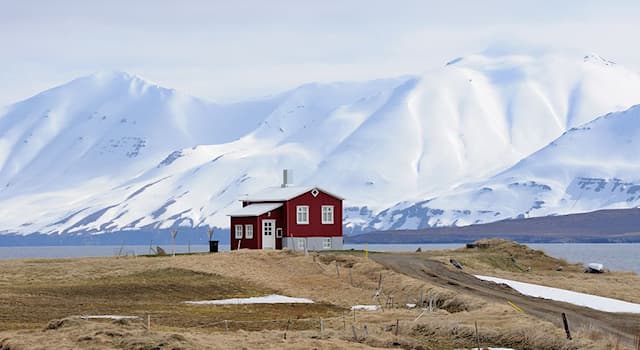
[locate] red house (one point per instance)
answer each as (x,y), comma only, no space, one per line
(288,216)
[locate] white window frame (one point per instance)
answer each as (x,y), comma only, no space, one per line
(248,231)
(300,243)
(326,243)
(279,232)
(304,210)
(329,210)
(238,231)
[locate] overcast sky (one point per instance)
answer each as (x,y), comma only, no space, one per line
(229,50)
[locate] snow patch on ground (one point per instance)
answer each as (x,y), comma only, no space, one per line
(108,317)
(269,299)
(567,296)
(365,307)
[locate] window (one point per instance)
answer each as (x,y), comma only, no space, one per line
(238,231)
(326,243)
(327,214)
(300,243)
(303,214)
(248,231)
(279,232)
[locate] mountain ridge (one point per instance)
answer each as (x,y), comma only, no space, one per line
(139,155)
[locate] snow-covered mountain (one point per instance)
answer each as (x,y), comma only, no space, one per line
(591,167)
(112,152)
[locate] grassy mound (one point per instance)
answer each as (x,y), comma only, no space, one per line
(509,256)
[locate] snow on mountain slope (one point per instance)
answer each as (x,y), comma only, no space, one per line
(189,166)
(590,167)
(109,125)
(112,152)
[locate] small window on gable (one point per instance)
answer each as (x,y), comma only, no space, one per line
(302,216)
(248,231)
(326,243)
(238,232)
(327,214)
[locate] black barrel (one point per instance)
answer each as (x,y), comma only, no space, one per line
(213,246)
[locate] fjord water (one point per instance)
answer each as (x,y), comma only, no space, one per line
(614,256)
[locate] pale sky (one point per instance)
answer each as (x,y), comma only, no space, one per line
(231,50)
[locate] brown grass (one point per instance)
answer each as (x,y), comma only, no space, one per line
(159,291)
(33,292)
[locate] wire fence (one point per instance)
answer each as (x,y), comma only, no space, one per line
(347,322)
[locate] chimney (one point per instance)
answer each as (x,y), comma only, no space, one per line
(287,177)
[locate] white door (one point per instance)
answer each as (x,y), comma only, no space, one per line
(268,234)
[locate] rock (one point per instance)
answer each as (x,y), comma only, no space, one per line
(455,263)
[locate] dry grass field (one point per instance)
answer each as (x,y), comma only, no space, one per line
(39,299)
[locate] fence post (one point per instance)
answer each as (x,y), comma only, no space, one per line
(477,336)
(226,325)
(148,322)
(350,277)
(287,328)
(566,325)
(344,321)
(397,327)
(321,326)
(338,269)
(355,335)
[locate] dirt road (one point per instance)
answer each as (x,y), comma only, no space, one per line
(625,326)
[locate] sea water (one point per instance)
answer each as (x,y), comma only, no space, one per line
(614,256)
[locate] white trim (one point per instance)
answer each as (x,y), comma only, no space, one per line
(238,231)
(248,231)
(331,211)
(279,232)
(302,209)
(324,243)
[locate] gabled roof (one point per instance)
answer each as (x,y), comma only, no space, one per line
(283,193)
(256,209)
